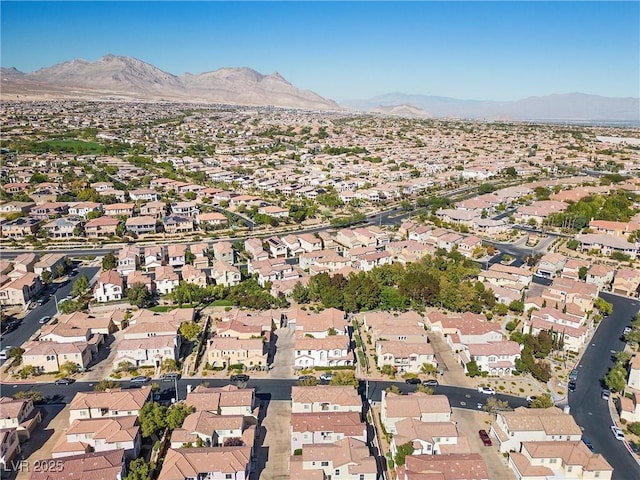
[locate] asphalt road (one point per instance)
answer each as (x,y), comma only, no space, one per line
(30,324)
(267,389)
(587,406)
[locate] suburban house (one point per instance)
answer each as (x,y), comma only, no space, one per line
(108,465)
(423,407)
(453,466)
(405,357)
(100,435)
(207,462)
(174,224)
(65,227)
(223,251)
(128,260)
(108,287)
(346,459)
(49,356)
(9,447)
(497,358)
(154,257)
(166,279)
(513,428)
(629,408)
(19,415)
(326,427)
(224,401)
(225,274)
(20,227)
(141,225)
(53,263)
(21,291)
(225,351)
(330,351)
(212,430)
(626,282)
(211,220)
(571,459)
(108,404)
(325,398)
(430,438)
(101,227)
(191,274)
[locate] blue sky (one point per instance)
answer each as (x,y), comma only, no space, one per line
(351,50)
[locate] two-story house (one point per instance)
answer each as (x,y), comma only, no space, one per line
(108,404)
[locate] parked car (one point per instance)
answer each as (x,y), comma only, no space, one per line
(626,330)
(170,377)
(487,390)
(572,386)
(239,378)
(64,381)
(141,379)
(573,376)
(413,381)
(326,377)
(617,432)
(588,443)
(606,394)
(44,320)
(484,436)
(531,398)
(4,353)
(432,382)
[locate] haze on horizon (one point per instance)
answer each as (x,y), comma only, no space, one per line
(467,50)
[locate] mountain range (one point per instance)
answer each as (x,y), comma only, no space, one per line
(125,78)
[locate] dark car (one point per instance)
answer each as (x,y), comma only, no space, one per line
(572,386)
(170,377)
(588,443)
(239,378)
(141,379)
(484,436)
(432,382)
(64,381)
(413,381)
(306,378)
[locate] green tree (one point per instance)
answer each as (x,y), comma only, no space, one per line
(300,293)
(582,273)
(402,452)
(138,295)
(190,330)
(493,405)
(603,306)
(69,368)
(428,369)
(139,469)
(573,244)
(80,285)
(103,385)
(71,306)
(616,379)
(176,415)
(344,377)
(27,371)
(543,401)
(169,365)
(34,395)
(472,369)
(388,370)
(516,306)
(153,418)
(109,261)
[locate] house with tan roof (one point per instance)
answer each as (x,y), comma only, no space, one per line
(326,427)
(146,352)
(330,351)
(606,244)
(225,274)
(156,210)
(50,262)
(166,279)
(108,287)
(227,400)
(22,290)
(191,274)
(223,251)
(325,398)
(177,254)
(9,448)
(601,275)
(19,415)
(420,406)
(429,438)
(511,429)
(564,291)
(47,357)
(405,357)
(551,265)
(497,358)
(470,466)
(213,430)
(629,408)
(573,267)
(108,465)
(633,380)
(108,404)
(620,229)
(119,209)
(200,253)
(571,327)
(346,459)
(207,462)
(128,260)
(225,351)
(100,435)
(626,282)
(329,321)
(101,227)
(141,225)
(550,460)
(20,227)
(143,279)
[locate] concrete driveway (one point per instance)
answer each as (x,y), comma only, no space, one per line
(283,359)
(272,457)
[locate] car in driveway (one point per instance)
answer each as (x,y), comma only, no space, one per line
(606,394)
(487,390)
(432,382)
(484,436)
(413,381)
(140,380)
(572,386)
(617,432)
(306,378)
(326,377)
(44,320)
(64,381)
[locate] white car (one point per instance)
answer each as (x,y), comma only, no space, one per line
(487,390)
(617,432)
(626,330)
(606,394)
